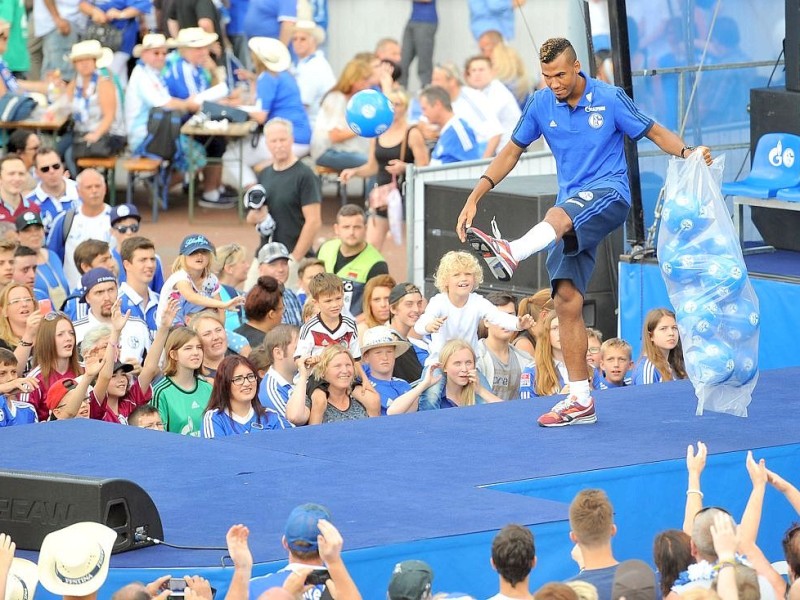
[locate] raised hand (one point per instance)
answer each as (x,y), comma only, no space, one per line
(759,475)
(696,462)
(330,542)
(239,550)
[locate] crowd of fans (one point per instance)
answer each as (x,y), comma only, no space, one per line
(709,558)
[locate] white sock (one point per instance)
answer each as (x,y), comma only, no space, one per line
(212,196)
(580,389)
(541,236)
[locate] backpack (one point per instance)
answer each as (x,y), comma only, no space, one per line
(163,133)
(16,107)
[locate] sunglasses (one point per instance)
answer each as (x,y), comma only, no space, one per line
(55,167)
(235,249)
(126,228)
(56,314)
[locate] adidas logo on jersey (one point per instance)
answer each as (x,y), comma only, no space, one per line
(553,124)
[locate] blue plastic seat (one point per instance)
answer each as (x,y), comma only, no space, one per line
(789,194)
(776,165)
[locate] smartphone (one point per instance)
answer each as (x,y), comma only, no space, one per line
(45,306)
(174,295)
(176,586)
(318,577)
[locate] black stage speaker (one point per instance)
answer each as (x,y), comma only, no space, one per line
(775,110)
(517,203)
(35,504)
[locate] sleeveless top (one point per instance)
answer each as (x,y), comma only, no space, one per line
(86,111)
(383,155)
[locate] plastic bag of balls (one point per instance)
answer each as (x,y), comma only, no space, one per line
(702,265)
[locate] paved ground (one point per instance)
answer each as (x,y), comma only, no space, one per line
(223,227)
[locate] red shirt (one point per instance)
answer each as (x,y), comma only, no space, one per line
(9,214)
(133,398)
(38,395)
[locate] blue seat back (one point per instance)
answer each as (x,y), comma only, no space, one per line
(777,159)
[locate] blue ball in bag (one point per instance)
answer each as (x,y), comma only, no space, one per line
(681,268)
(716,245)
(685,216)
(369,113)
(745,369)
(713,362)
(740,320)
(704,326)
(725,276)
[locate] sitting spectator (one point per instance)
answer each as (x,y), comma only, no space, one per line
(186,77)
(379,350)
(192,281)
(376,303)
(99,124)
(273,261)
(351,257)
(472,107)
(12,411)
(25,144)
(277,97)
(147,89)
(55,353)
(461,384)
(292,195)
(345,402)
(19,322)
(146,416)
(389,154)
(333,143)
(89,254)
(49,281)
(25,269)
(276,385)
(456,141)
(513,557)
(405,305)
(126,222)
(68,398)
(8,82)
(99,292)
(88,221)
(456,311)
(307,269)
(182,395)
(230,266)
(548,375)
(507,64)
(537,306)
(263,308)
(233,408)
(498,361)
(591,521)
(7,248)
(13,189)
(672,555)
(139,262)
(594,339)
(615,362)
(211,331)
(411,580)
(311,69)
(662,352)
(55,193)
(505,107)
(125,16)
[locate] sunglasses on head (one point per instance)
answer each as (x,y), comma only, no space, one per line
(134,228)
(46,169)
(56,314)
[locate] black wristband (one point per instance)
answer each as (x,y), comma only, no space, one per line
(489,179)
(684,149)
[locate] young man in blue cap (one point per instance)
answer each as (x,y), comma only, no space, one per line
(584,122)
(125,224)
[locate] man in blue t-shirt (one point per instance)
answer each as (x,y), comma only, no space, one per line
(456,139)
(584,122)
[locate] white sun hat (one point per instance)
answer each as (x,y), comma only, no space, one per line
(22,580)
(195,37)
(151,41)
(376,337)
(74,561)
(273,53)
(92,49)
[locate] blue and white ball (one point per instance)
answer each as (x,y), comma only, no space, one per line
(725,276)
(369,113)
(740,320)
(713,363)
(682,268)
(744,370)
(685,216)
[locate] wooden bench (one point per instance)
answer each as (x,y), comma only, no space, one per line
(153,170)
(108,164)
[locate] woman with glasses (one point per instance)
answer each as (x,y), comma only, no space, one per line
(389,154)
(234,407)
(55,353)
(230,266)
(19,322)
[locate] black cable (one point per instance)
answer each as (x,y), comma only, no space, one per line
(777,62)
(146,538)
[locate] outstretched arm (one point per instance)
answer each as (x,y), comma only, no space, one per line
(695,463)
(785,488)
(670,143)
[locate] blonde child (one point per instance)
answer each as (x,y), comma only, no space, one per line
(192,281)
(662,353)
(615,362)
(457,310)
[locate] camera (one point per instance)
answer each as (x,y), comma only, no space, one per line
(255,197)
(176,586)
(318,577)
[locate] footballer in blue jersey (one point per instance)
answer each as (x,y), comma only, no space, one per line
(585,122)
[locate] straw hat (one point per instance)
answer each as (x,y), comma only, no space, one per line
(151,41)
(22,580)
(195,37)
(74,561)
(310,27)
(381,336)
(91,49)
(273,53)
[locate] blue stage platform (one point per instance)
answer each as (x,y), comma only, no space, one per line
(435,486)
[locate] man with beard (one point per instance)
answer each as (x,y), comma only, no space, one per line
(99,292)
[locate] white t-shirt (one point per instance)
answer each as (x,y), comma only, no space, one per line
(332,115)
(505,107)
(146,89)
(43,22)
(134,338)
(314,78)
(475,109)
(84,228)
(209,288)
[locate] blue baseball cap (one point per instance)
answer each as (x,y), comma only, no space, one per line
(194,243)
(95,277)
(123,211)
(301,527)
